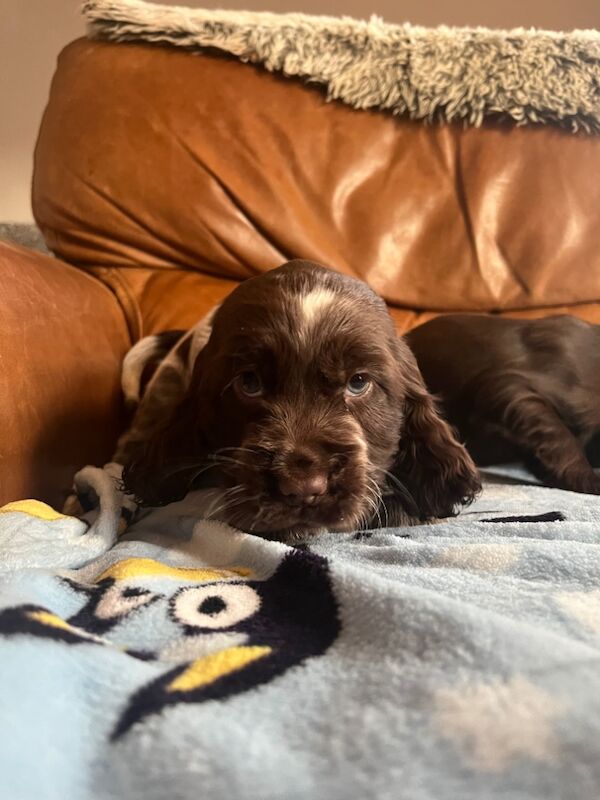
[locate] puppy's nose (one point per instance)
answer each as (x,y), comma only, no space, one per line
(304,489)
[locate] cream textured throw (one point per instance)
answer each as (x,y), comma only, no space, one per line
(468,74)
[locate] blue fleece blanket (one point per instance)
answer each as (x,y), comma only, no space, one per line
(187,660)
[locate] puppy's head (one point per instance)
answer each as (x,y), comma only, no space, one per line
(309,411)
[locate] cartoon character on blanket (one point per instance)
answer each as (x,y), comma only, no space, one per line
(213,616)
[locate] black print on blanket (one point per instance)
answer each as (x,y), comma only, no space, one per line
(550,516)
(269,625)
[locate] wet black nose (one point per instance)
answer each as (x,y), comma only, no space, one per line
(304,488)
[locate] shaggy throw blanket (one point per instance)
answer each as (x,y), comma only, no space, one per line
(467,74)
(189,660)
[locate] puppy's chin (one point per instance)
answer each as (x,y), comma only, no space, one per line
(272,520)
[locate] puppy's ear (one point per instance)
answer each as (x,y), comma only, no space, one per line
(160,467)
(435,468)
(142,362)
(162,450)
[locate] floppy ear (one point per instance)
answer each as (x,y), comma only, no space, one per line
(160,467)
(163,448)
(435,468)
(143,360)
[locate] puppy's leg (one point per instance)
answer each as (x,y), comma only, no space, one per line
(535,427)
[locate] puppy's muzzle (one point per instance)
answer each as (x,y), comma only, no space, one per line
(304,479)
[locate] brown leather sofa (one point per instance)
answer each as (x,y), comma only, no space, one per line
(162,178)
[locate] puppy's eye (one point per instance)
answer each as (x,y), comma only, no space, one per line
(250,384)
(358,384)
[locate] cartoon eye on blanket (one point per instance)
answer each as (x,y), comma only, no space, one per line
(231,633)
(214,606)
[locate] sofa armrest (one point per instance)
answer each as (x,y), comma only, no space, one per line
(62,338)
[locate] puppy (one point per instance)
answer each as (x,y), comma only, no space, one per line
(297,398)
(518,390)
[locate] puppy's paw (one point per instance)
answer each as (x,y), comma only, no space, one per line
(585,482)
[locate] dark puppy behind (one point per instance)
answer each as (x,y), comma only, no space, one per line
(300,401)
(518,389)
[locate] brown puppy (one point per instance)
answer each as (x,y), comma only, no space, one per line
(518,389)
(300,401)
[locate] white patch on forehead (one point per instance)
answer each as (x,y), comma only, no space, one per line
(312,306)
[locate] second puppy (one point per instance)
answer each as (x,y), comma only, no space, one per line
(518,390)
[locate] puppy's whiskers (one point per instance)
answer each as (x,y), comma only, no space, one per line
(181,465)
(403,490)
(218,459)
(252,450)
(373,500)
(230,497)
(377,498)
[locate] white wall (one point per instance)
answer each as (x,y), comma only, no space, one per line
(32,32)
